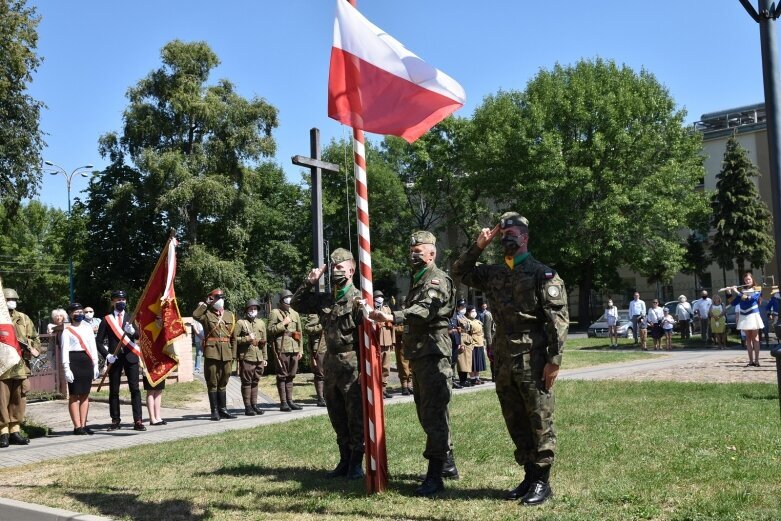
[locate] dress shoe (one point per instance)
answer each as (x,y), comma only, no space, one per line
(293,405)
(456,385)
(79,431)
(4,440)
(538,493)
(88,430)
(139,426)
(115,425)
(249,411)
(16,438)
(257,409)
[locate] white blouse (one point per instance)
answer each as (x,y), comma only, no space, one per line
(70,343)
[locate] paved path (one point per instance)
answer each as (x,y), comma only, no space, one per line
(184,423)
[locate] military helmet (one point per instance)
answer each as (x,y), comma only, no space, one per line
(378,293)
(285,293)
(509,219)
(422,237)
(10,293)
(252,302)
(118,293)
(341,255)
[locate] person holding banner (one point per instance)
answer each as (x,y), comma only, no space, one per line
(340,314)
(253,355)
(117,332)
(426,315)
(80,365)
(13,382)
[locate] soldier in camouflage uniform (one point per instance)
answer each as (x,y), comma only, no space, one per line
(286,332)
(219,350)
(426,314)
(340,314)
(530,310)
(314,332)
(253,355)
(13,383)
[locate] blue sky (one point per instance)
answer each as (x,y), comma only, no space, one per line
(706,53)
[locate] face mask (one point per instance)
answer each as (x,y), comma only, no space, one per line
(473,314)
(120,306)
(339,277)
(378,302)
(287,300)
(89,315)
(253,313)
(416,260)
(219,304)
(11,304)
(461,312)
(510,245)
(78,318)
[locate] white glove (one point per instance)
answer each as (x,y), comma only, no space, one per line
(129,329)
(69,375)
(111,359)
(95,372)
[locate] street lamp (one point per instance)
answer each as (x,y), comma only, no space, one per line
(68,178)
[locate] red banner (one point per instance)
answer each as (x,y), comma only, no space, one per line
(158,319)
(10,351)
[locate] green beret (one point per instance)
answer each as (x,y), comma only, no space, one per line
(422,237)
(341,255)
(509,219)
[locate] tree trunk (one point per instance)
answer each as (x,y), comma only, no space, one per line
(584,302)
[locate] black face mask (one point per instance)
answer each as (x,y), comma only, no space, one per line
(339,277)
(416,261)
(78,318)
(120,306)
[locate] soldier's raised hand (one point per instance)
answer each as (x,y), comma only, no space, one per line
(486,235)
(315,274)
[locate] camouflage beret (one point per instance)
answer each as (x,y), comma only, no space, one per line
(341,255)
(509,219)
(422,237)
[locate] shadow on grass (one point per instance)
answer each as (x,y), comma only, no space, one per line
(116,505)
(759,397)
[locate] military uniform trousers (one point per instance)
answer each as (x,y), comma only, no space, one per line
(526,406)
(115,379)
(287,366)
(385,361)
(343,398)
(432,380)
(318,359)
(217,373)
(402,365)
(13,402)
(250,373)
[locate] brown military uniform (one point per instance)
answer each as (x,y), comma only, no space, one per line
(314,332)
(387,338)
(402,364)
(529,306)
(220,345)
(287,342)
(13,383)
(252,353)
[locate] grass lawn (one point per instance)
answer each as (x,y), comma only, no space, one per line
(175,394)
(657,451)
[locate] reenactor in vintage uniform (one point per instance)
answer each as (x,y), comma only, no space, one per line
(13,383)
(402,364)
(386,337)
(115,341)
(530,309)
(252,355)
(220,348)
(285,331)
(316,344)
(340,314)
(426,314)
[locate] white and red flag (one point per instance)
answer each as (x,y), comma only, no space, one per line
(377,85)
(10,351)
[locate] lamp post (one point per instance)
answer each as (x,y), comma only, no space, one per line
(68,178)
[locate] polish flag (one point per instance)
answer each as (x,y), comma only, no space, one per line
(10,351)
(379,86)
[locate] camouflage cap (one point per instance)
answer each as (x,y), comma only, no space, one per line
(509,219)
(10,293)
(422,237)
(341,255)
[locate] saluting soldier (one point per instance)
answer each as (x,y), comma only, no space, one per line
(117,332)
(13,383)
(284,328)
(530,310)
(426,315)
(340,314)
(387,337)
(219,350)
(253,355)
(314,332)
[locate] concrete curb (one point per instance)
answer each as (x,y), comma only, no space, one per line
(12,510)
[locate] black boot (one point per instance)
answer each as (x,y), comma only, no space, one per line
(283,405)
(523,487)
(222,396)
(540,490)
(433,482)
(249,411)
(16,438)
(253,399)
(344,463)
(4,440)
(213,405)
(319,390)
(355,470)
(289,393)
(449,470)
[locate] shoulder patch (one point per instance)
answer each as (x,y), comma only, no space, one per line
(434,282)
(432,293)
(553,291)
(548,274)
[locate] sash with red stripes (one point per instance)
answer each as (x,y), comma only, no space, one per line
(123,338)
(81,342)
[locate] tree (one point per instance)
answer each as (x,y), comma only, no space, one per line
(599,160)
(695,260)
(20,138)
(741,220)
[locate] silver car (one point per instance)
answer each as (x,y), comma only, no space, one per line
(599,328)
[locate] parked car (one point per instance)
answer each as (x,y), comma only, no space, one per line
(599,328)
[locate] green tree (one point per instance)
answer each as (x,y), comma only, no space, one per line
(599,159)
(740,218)
(695,260)
(20,137)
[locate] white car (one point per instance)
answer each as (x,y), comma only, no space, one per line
(599,328)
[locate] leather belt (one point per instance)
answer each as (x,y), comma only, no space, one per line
(218,339)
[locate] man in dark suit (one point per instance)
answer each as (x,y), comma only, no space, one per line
(117,332)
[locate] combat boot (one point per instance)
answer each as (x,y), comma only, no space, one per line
(4,440)
(449,470)
(283,405)
(222,396)
(319,390)
(253,400)
(16,438)
(523,487)
(249,411)
(289,393)
(433,482)
(245,397)
(213,405)
(343,465)
(540,490)
(405,391)
(355,470)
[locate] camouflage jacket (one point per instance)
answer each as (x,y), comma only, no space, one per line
(339,317)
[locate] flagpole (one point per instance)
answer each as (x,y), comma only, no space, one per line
(371,383)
